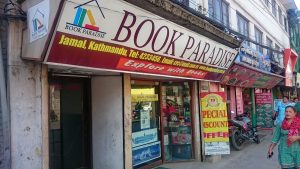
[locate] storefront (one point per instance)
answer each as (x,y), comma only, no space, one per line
(162,121)
(289,86)
(252,80)
(144,75)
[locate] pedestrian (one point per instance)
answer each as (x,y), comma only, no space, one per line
(280,109)
(287,134)
(297,105)
(295,101)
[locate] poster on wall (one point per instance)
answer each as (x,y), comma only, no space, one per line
(239,100)
(114,36)
(144,137)
(145,119)
(145,153)
(215,123)
(264,110)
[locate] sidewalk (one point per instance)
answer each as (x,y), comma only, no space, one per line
(253,156)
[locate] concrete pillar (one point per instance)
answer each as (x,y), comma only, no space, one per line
(197,123)
(45,116)
(127,121)
(24,86)
(107,122)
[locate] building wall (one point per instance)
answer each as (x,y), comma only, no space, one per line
(107,122)
(260,16)
(25,102)
(3,120)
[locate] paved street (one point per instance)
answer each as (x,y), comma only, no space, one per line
(253,156)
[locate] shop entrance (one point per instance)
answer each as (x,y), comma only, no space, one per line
(146,142)
(69,136)
(162,123)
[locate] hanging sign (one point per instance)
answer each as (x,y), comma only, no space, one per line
(144,97)
(38,18)
(215,123)
(117,36)
(239,100)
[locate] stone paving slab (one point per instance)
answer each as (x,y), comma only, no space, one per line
(253,156)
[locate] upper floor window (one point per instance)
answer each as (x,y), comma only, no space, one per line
(277,56)
(274,8)
(285,24)
(243,25)
(269,44)
(267,2)
(280,15)
(184,2)
(218,10)
(258,39)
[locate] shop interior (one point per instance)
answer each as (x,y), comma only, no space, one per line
(161,121)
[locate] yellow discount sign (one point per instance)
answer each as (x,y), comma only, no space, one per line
(215,123)
(214,114)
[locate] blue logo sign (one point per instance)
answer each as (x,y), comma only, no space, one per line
(253,58)
(145,153)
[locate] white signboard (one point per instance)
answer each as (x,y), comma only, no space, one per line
(144,137)
(121,23)
(217,148)
(38,18)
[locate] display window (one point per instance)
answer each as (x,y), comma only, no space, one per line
(146,144)
(177,121)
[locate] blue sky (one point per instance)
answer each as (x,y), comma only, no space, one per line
(298,3)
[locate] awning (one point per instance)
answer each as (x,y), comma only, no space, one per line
(242,75)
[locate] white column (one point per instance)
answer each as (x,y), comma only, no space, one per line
(25,101)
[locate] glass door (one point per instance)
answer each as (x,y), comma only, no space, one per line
(146,145)
(177,121)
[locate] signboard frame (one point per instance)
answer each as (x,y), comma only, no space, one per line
(134,56)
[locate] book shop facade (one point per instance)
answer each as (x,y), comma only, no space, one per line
(129,89)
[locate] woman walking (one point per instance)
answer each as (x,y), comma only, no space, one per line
(288,134)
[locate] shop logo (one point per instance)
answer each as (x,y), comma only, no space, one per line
(213,101)
(81,15)
(37,22)
(84,20)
